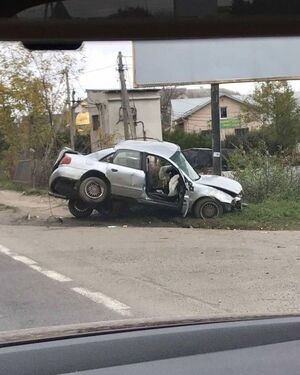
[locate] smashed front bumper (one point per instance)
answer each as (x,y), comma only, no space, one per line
(237,203)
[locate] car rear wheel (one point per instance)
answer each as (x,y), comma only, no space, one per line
(79,209)
(93,190)
(208,208)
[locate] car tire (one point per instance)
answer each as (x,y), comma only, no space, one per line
(79,209)
(93,190)
(208,208)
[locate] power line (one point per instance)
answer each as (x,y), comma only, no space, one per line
(96,70)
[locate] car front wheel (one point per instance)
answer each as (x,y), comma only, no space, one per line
(79,209)
(208,208)
(93,190)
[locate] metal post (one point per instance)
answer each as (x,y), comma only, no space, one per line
(215,121)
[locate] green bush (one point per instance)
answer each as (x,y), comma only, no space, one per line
(253,139)
(187,140)
(265,176)
(263,138)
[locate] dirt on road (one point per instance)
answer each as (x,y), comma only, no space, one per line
(17,208)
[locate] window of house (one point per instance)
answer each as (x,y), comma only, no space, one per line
(128,158)
(96,122)
(223,112)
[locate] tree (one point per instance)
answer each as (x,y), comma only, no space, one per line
(166,95)
(274,106)
(33,102)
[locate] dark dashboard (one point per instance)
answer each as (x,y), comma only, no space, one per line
(267,346)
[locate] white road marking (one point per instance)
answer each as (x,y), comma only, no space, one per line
(51,274)
(108,302)
(25,260)
(33,264)
(97,297)
(5,250)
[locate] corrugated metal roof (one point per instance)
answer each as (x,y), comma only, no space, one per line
(186,107)
(181,107)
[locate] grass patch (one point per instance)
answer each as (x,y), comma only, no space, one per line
(6,184)
(272,214)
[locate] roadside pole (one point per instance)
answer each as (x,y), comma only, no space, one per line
(127,114)
(215,122)
(70,108)
(72,127)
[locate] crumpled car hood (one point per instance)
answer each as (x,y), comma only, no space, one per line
(221,183)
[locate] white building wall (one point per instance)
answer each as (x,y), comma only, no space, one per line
(148,110)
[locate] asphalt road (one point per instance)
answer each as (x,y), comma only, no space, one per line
(65,275)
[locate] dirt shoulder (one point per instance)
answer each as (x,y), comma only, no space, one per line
(17,208)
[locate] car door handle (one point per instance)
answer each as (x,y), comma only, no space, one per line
(114,170)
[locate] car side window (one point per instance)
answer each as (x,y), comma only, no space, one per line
(108,158)
(128,158)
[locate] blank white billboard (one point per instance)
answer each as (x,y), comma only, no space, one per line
(159,63)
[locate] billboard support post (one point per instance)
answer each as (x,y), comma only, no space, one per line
(216,136)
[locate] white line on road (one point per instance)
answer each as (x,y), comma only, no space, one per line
(33,264)
(51,274)
(5,250)
(25,260)
(97,297)
(110,303)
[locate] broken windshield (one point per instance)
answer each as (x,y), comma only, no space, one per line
(179,159)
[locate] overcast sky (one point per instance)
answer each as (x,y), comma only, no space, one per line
(101,64)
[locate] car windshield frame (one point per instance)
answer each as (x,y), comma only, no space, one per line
(179,159)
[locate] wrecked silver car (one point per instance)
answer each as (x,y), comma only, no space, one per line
(140,172)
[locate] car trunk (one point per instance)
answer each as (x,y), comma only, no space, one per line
(61,154)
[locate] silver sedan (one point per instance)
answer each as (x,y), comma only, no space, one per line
(140,172)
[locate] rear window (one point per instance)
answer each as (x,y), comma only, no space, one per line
(128,158)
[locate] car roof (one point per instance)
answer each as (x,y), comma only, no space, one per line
(159,148)
(198,149)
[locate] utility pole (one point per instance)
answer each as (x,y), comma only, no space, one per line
(70,109)
(215,121)
(129,125)
(73,120)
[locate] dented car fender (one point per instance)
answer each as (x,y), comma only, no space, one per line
(207,191)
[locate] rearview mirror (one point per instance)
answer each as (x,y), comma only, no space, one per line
(72,21)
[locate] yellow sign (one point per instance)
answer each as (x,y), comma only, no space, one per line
(83,125)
